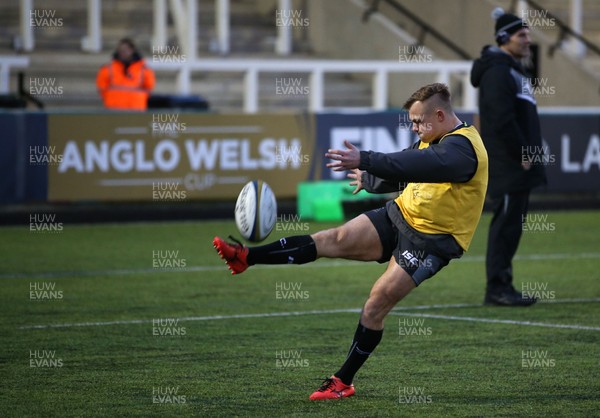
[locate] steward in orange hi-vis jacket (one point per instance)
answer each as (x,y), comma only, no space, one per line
(125,83)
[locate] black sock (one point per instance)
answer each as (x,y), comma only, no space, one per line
(299,249)
(357,333)
(365,341)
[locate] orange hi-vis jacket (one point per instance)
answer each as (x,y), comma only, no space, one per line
(125,90)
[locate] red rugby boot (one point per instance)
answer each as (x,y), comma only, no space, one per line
(332,388)
(233,254)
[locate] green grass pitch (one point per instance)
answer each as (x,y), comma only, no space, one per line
(145,320)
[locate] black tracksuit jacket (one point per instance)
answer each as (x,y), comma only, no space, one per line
(510,126)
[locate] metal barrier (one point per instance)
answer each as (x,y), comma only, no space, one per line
(185,17)
(6,63)
(316,69)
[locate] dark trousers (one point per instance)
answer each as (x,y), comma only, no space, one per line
(510,211)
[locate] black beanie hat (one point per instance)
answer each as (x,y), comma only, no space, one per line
(506,22)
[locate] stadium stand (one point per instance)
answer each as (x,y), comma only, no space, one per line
(374,35)
(332,35)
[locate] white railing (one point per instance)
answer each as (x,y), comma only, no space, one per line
(6,63)
(316,69)
(186,25)
(185,16)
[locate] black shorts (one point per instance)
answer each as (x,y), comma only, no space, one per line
(417,260)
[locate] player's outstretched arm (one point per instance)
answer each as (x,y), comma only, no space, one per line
(344,159)
(349,159)
(372,184)
(451,160)
(356,176)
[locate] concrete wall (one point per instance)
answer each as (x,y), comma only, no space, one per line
(336,31)
(469,24)
(574,85)
(268,8)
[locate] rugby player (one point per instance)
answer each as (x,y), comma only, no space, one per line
(431,222)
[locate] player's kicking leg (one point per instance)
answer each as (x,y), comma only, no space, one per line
(387,291)
(355,240)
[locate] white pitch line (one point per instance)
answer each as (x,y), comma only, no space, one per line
(320,264)
(192,318)
(189,269)
(497,321)
(284,314)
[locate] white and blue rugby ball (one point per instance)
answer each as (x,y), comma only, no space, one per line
(256,211)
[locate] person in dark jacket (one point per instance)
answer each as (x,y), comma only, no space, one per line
(417,234)
(510,129)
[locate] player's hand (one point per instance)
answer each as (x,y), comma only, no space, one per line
(347,159)
(356,175)
(526,165)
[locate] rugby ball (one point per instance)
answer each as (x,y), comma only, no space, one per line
(255,211)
